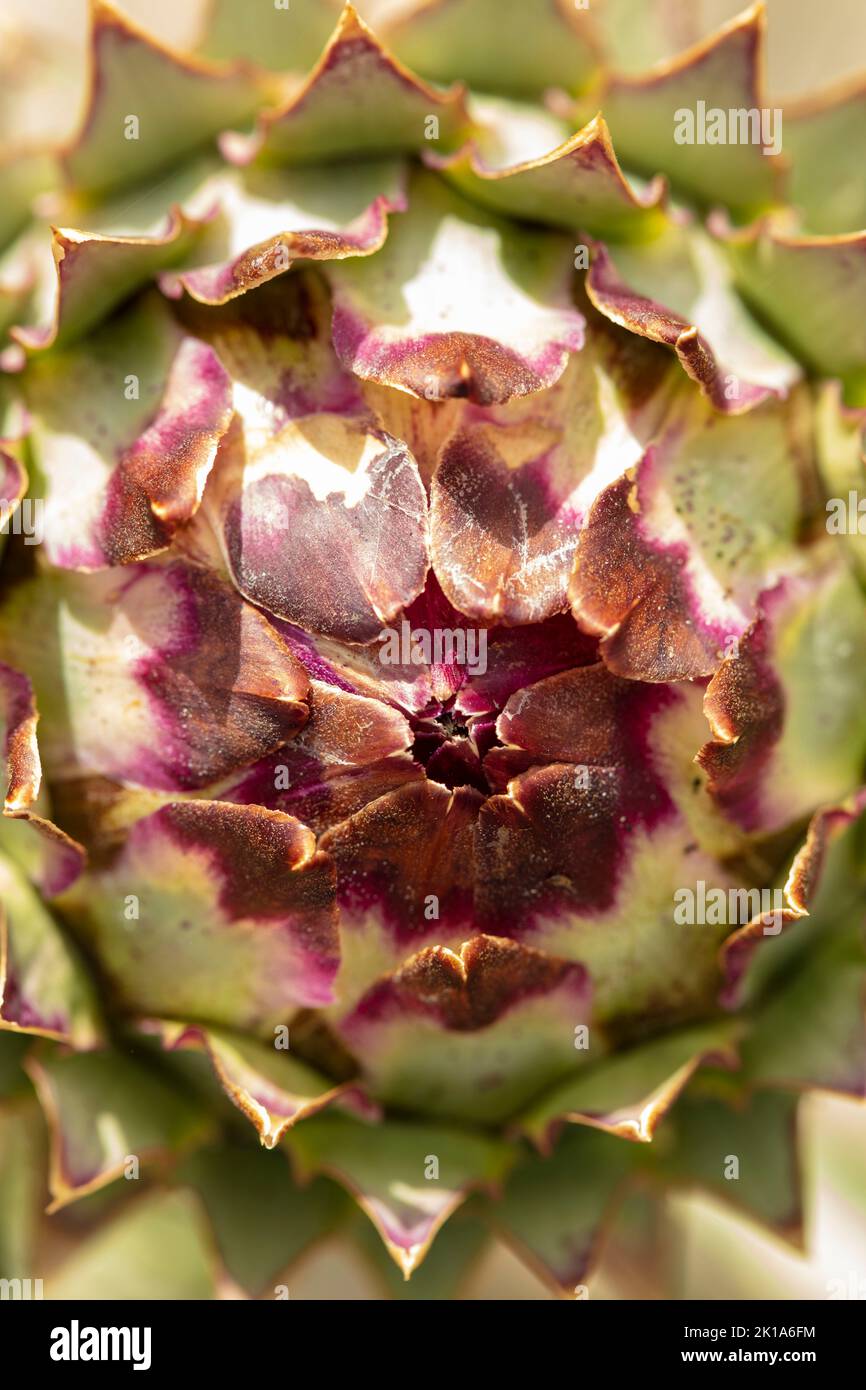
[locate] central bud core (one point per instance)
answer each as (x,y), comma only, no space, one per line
(451,746)
(454,725)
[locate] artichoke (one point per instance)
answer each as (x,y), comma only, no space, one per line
(432,633)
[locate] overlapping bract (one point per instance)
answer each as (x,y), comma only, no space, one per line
(326,359)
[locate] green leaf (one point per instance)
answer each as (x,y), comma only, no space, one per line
(105,1110)
(357,102)
(262,1220)
(285,38)
(266,218)
(215,913)
(13,1078)
(470,1036)
(786,709)
(555,1209)
(840,438)
(147,106)
(546,44)
(159,1248)
(408,1178)
(269,1086)
(24,176)
(97,273)
(637,34)
(22,1163)
(822,899)
(811,1032)
(723,73)
(811,291)
(447,1266)
(44,986)
(825,140)
(677,289)
(628,1093)
(576,185)
(742,1150)
(674,556)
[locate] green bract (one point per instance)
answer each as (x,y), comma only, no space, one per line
(431,641)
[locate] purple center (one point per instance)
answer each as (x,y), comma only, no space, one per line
(452,746)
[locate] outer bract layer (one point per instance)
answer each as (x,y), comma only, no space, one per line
(431,639)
